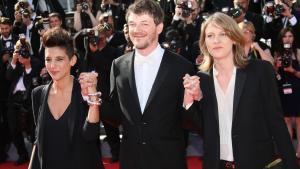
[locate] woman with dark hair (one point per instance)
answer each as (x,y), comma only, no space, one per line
(67,128)
(287,59)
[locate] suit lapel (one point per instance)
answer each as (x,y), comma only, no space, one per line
(238,89)
(160,77)
(131,78)
(214,97)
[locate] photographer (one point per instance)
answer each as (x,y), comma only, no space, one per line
(22,73)
(280,15)
(241,13)
(287,59)
(83,16)
(7,42)
(99,59)
(116,10)
(187,20)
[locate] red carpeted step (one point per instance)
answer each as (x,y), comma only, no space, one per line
(193,163)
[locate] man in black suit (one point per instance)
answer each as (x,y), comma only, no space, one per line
(146,87)
(238,101)
(22,73)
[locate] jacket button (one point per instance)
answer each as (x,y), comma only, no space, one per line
(144,143)
(145,123)
(235,136)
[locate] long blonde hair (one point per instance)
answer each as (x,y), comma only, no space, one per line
(233,32)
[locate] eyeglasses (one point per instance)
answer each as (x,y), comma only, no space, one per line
(211,37)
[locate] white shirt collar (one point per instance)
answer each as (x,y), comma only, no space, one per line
(153,57)
(9,38)
(215,71)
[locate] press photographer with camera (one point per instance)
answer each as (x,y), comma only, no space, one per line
(7,39)
(116,9)
(287,65)
(187,20)
(241,12)
(83,16)
(22,73)
(278,15)
(99,59)
(7,42)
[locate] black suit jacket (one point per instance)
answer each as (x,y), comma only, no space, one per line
(82,134)
(153,139)
(257,120)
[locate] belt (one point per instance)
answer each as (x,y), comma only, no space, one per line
(227,164)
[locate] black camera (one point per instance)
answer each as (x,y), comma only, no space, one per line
(84,6)
(286,58)
(186,7)
(23,4)
(173,45)
(8,48)
(173,40)
(235,12)
(24,50)
(25,12)
(278,9)
(92,36)
(272,9)
(42,22)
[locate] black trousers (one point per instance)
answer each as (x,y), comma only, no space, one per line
(14,120)
(113,138)
(4,130)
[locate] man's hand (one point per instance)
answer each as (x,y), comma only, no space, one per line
(5,57)
(192,90)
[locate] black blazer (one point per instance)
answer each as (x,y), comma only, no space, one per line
(257,120)
(82,134)
(153,139)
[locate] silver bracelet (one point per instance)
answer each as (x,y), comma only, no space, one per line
(95,94)
(95,102)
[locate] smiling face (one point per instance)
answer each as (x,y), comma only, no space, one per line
(218,44)
(58,63)
(143,32)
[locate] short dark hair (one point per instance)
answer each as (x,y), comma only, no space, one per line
(149,7)
(5,21)
(58,37)
(55,14)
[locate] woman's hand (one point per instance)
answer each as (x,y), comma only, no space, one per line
(88,83)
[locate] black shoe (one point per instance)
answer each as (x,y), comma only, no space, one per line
(22,160)
(114,159)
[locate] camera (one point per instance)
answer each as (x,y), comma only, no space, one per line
(8,48)
(172,45)
(25,12)
(235,12)
(92,36)
(42,21)
(273,10)
(287,55)
(186,7)
(23,4)
(278,9)
(84,6)
(23,51)
(173,40)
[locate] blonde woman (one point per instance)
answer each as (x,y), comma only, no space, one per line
(254,50)
(238,102)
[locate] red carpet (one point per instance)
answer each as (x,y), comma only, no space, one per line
(193,163)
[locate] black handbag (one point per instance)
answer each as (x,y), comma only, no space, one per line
(276,164)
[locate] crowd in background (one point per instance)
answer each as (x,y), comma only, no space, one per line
(271,31)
